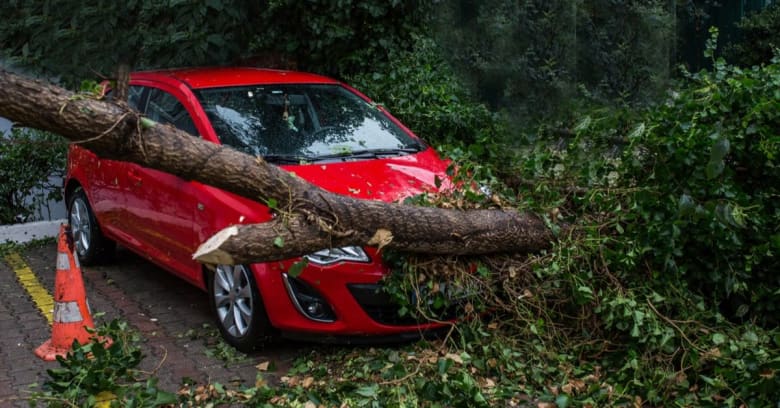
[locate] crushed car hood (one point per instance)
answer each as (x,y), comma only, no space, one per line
(385,179)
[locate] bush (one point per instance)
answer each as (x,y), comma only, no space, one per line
(760,35)
(535,58)
(673,236)
(28,160)
(709,164)
(339,38)
(690,187)
(419,88)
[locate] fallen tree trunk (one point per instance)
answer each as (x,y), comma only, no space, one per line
(309,218)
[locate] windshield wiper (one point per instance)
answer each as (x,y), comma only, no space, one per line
(286,159)
(370,153)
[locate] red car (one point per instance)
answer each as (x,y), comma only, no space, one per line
(321,129)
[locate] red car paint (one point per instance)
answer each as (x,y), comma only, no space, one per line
(164,218)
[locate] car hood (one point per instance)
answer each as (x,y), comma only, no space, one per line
(386,179)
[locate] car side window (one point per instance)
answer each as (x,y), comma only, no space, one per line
(134,96)
(163,107)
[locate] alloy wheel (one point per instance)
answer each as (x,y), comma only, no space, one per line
(233,298)
(80,226)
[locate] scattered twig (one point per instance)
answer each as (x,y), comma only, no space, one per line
(671,322)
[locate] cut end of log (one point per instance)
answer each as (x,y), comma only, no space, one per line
(209,252)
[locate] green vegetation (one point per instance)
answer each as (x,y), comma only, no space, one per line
(28,158)
(96,374)
(660,292)
(760,35)
(662,289)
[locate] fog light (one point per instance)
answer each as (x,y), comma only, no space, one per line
(308,300)
(315,309)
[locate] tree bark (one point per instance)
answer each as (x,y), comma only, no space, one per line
(122,84)
(308,219)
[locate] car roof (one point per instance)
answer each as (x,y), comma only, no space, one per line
(214,77)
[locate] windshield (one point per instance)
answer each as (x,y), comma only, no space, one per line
(306,122)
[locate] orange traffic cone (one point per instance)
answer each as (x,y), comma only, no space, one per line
(71,312)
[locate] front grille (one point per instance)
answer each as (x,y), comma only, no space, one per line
(381,308)
(379,305)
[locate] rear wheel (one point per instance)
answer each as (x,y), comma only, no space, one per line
(90,244)
(238,308)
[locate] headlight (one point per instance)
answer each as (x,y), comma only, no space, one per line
(332,255)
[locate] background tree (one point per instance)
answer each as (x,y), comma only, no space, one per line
(535,58)
(759,37)
(73,41)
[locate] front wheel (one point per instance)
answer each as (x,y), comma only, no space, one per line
(90,244)
(238,308)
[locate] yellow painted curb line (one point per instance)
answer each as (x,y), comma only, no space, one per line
(32,285)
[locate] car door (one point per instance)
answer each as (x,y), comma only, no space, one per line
(108,182)
(160,206)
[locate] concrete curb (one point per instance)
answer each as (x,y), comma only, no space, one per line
(21,233)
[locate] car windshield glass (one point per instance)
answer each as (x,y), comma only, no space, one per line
(302,123)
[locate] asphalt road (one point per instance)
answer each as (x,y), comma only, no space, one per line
(173,318)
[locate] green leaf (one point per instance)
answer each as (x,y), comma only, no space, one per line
(638,131)
(147,123)
(720,149)
(718,338)
(165,398)
(685,205)
(369,391)
(563,401)
(583,125)
(585,290)
(297,268)
(444,364)
(714,169)
(279,242)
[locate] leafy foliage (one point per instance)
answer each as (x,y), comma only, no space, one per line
(341,37)
(99,374)
(722,135)
(28,160)
(535,58)
(667,216)
(759,36)
(418,87)
(677,212)
(336,38)
(58,37)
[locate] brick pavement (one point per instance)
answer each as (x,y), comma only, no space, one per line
(163,309)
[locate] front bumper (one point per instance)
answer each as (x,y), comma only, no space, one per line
(350,289)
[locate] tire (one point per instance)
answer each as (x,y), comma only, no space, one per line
(90,244)
(238,308)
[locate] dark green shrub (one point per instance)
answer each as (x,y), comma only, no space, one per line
(760,34)
(695,182)
(709,164)
(28,158)
(675,211)
(339,38)
(419,88)
(534,58)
